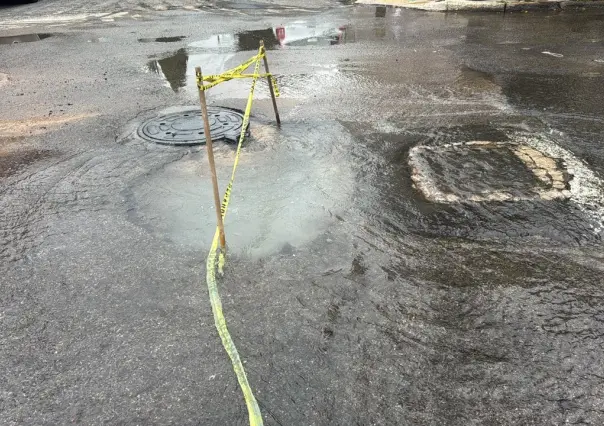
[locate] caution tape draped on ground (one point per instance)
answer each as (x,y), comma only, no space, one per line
(216,258)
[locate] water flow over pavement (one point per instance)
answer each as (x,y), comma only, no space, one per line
(353,297)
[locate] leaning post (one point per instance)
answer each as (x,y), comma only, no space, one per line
(210,150)
(270,83)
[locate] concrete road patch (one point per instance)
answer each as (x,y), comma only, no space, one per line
(493,171)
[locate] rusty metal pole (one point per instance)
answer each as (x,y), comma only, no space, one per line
(270,84)
(210,150)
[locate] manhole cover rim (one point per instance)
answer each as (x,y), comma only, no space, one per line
(228,128)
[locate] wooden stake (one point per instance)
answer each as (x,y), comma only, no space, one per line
(270,84)
(210,149)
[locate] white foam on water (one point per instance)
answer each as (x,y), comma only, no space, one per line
(586,187)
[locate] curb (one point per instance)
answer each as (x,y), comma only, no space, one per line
(486,5)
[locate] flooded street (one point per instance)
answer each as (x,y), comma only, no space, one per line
(420,243)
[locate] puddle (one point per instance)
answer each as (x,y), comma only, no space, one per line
(302,34)
(172,203)
(24,38)
(162,39)
(249,40)
(215,53)
(380,12)
(173,68)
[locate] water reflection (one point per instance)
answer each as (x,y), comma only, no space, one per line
(173,39)
(303,34)
(249,40)
(214,53)
(178,69)
(173,68)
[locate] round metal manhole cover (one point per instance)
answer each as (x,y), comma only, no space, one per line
(186,127)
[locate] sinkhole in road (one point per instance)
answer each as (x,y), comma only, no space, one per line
(482,171)
(186,128)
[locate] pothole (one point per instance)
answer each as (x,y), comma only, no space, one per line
(482,171)
(186,128)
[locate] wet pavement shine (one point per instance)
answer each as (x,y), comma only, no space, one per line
(420,243)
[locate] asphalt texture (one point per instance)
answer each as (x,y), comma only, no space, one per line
(352,298)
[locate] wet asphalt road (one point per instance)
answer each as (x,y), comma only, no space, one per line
(352,298)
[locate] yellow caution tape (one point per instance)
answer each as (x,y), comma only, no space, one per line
(216,258)
(237,72)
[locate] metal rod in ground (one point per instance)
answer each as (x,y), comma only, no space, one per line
(210,149)
(270,84)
